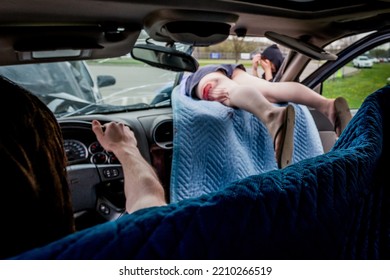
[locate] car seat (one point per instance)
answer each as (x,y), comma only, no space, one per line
(333,206)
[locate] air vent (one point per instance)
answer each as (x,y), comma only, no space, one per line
(163,134)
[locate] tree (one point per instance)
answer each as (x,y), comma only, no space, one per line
(238,43)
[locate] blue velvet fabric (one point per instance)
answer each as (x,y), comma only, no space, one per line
(333,206)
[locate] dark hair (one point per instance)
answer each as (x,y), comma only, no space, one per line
(273,54)
(193,79)
(35,201)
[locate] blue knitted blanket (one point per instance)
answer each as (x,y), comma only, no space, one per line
(215,145)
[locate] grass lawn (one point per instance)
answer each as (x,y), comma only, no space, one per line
(356,87)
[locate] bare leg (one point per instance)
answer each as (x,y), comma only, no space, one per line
(288,92)
(232,94)
(220,88)
(280,121)
(248,99)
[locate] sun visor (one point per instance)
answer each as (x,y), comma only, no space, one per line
(197,28)
(25,44)
(300,46)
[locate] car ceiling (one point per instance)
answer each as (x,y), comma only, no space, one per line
(317,21)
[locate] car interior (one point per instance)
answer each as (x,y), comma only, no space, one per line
(66,34)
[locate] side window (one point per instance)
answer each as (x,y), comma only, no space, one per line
(360,77)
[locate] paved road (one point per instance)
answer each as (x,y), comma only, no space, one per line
(130,82)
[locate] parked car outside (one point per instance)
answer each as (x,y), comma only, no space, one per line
(64,86)
(362,62)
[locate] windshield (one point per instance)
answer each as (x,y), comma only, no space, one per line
(96,86)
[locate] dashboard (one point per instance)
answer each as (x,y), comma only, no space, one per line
(95,176)
(77,151)
(81,146)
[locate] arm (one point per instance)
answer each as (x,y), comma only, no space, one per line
(142,186)
(267,67)
(255,65)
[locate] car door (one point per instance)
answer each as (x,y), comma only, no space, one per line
(333,78)
(341,78)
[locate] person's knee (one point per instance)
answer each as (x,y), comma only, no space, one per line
(238,73)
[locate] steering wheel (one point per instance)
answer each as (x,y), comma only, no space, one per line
(96,188)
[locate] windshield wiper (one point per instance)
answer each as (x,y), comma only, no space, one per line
(104,108)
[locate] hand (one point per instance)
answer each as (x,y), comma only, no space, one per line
(255,64)
(220,95)
(115,137)
(142,187)
(267,67)
(266,64)
(255,60)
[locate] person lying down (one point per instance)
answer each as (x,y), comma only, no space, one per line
(231,85)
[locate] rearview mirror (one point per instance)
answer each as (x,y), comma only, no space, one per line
(164,57)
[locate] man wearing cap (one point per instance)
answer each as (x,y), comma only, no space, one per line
(270,60)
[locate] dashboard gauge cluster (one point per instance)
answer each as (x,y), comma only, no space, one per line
(75,151)
(99,155)
(81,146)
(78,152)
